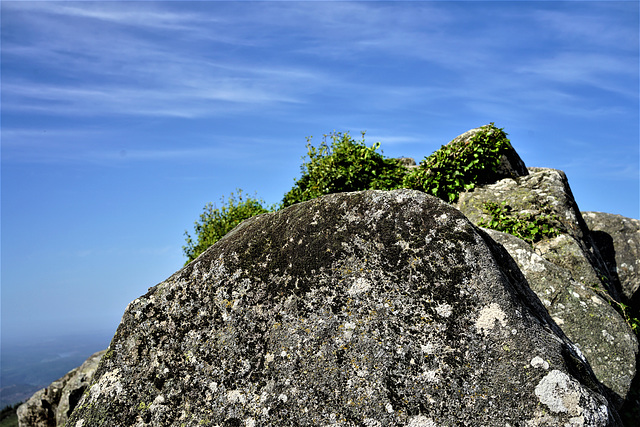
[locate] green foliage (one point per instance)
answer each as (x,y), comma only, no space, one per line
(460,165)
(340,163)
(215,223)
(625,312)
(343,165)
(529,227)
(8,416)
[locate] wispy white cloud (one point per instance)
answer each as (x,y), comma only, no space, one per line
(167,60)
(116,70)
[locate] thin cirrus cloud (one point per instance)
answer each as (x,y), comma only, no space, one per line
(125,73)
(158,59)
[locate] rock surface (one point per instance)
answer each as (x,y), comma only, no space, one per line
(618,239)
(52,405)
(547,191)
(407,162)
(585,317)
(368,309)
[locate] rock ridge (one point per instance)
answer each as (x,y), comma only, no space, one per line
(368,308)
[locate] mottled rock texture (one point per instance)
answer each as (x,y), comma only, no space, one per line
(354,309)
(52,406)
(547,191)
(618,239)
(588,319)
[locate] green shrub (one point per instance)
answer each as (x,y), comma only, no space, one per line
(461,165)
(343,165)
(527,226)
(215,223)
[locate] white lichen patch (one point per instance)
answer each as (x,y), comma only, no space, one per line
(359,286)
(430,376)
(529,262)
(539,362)
(488,317)
(429,348)
(608,336)
(559,392)
(563,394)
(109,384)
(236,396)
(420,421)
(403,245)
(444,310)
(348,330)
(442,218)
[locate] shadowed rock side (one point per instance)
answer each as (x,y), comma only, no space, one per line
(370,308)
(52,405)
(585,317)
(618,239)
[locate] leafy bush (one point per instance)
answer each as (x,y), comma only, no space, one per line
(527,226)
(215,223)
(344,165)
(341,163)
(460,165)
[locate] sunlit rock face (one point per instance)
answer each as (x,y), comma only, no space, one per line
(370,308)
(588,319)
(575,273)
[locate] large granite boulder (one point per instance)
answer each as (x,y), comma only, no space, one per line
(618,239)
(354,309)
(596,328)
(52,405)
(547,192)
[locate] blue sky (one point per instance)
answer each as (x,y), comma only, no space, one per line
(121,120)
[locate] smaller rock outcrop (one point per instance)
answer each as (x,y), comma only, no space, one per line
(618,239)
(547,192)
(51,406)
(585,317)
(407,162)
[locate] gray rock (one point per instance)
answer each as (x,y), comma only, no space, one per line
(370,308)
(618,239)
(511,165)
(407,162)
(52,405)
(602,335)
(547,192)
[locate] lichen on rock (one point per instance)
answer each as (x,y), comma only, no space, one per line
(368,308)
(592,324)
(541,192)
